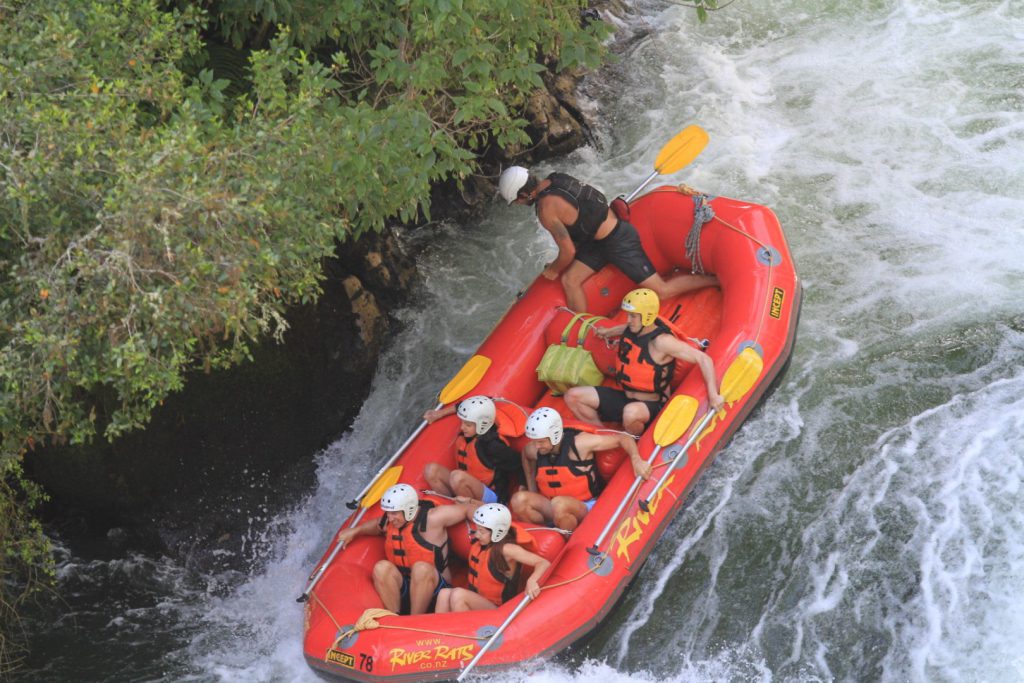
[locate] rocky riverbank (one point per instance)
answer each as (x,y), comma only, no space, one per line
(236,441)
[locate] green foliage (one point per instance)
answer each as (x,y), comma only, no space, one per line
(26,565)
(151,224)
(465,64)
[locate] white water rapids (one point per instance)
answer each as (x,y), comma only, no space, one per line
(867,523)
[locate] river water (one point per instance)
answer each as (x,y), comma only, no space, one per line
(866,523)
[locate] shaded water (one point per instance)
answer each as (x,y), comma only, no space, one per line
(865,524)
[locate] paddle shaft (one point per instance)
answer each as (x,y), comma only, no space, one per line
(686,446)
(622,504)
(330,558)
(632,195)
(494,637)
(362,511)
(390,462)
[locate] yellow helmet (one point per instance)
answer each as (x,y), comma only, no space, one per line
(643,301)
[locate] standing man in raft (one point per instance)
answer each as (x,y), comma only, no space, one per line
(588,235)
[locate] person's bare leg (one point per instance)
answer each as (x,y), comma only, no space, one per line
(677,284)
(573,278)
(464,600)
(465,484)
(421,587)
(635,417)
(444,598)
(531,507)
(387,581)
(568,512)
(437,479)
(583,402)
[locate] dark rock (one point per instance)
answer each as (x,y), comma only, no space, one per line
(239,439)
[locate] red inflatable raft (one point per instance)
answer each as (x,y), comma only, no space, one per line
(751,324)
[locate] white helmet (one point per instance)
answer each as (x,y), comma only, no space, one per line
(545,423)
(495,517)
(479,410)
(511,181)
(401,498)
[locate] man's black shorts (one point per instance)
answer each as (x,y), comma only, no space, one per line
(622,248)
(611,403)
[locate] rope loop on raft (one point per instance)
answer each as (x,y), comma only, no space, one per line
(368,620)
(702,213)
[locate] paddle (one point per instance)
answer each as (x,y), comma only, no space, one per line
(672,423)
(493,638)
(738,380)
(459,386)
(677,153)
(464,381)
(383,483)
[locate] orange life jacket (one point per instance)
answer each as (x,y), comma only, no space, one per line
(466,457)
(406,546)
(637,370)
(491,584)
(560,475)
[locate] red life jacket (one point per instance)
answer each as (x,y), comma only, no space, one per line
(466,457)
(406,546)
(637,370)
(560,475)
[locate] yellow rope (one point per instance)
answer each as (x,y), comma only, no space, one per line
(370,620)
(337,626)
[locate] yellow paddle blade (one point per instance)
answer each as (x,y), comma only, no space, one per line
(465,380)
(741,375)
(681,150)
(388,479)
(674,419)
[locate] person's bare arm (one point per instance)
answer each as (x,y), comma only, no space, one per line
(525,557)
(640,467)
(371,528)
(589,444)
(670,346)
(432,416)
(566,249)
(530,467)
(443,516)
(609,332)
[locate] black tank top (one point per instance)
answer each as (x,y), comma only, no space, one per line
(588,201)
